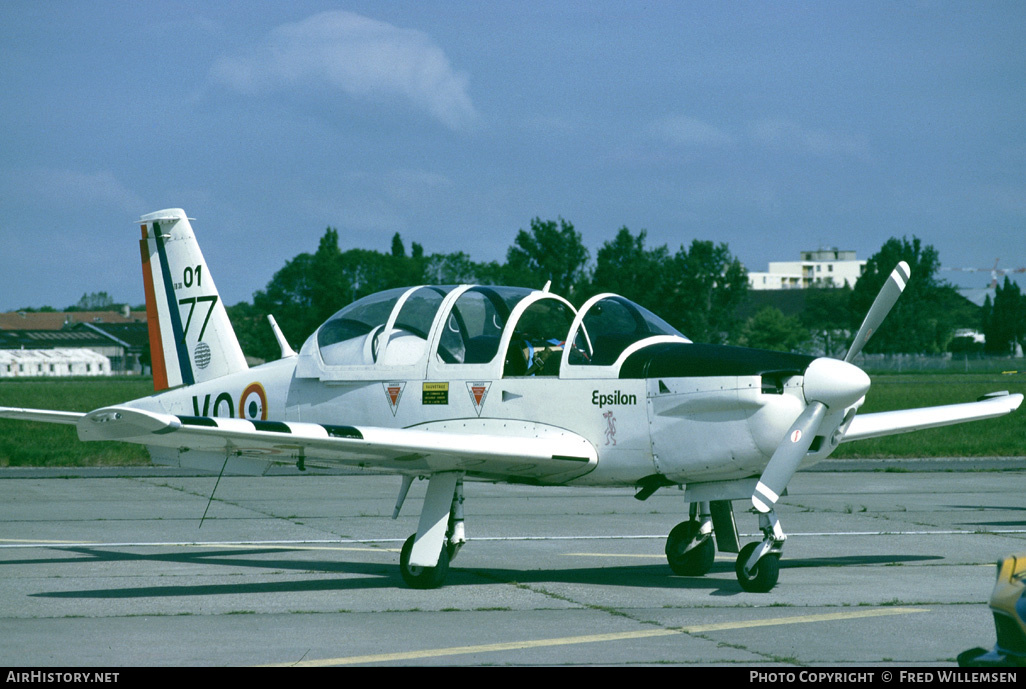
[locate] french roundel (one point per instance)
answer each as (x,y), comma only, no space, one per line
(253,404)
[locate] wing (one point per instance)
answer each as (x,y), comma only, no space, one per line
(480,447)
(907,420)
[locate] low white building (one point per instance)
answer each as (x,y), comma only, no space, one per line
(821,268)
(25,363)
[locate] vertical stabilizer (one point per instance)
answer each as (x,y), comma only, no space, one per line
(191,338)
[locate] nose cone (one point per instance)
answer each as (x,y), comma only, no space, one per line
(835,383)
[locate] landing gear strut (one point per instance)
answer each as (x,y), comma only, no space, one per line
(429,577)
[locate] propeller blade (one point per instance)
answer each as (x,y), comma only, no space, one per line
(787,457)
(826,383)
(882,305)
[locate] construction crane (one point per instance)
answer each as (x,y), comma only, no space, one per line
(995,272)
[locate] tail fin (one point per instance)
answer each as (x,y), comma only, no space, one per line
(191,338)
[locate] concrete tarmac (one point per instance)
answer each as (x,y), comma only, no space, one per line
(112,568)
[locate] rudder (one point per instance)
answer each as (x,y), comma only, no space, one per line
(191,338)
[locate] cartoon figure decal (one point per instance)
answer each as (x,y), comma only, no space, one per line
(610,427)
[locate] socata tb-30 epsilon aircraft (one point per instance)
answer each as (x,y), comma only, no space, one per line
(499,384)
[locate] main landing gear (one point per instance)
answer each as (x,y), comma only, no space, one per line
(423,577)
(690,548)
(425,556)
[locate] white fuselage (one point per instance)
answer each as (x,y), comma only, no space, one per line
(696,429)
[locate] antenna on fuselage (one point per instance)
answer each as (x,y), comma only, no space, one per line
(286,350)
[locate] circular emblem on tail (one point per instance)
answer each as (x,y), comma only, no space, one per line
(201,355)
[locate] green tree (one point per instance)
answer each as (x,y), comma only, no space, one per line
(771,329)
(986,316)
(457,269)
(254,332)
(1004,319)
(696,289)
(827,315)
(704,286)
(923,320)
(33,309)
(311,287)
(551,251)
(289,297)
(94,301)
(330,287)
(626,267)
(398,248)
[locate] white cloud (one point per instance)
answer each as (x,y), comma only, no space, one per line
(688,131)
(788,134)
(364,58)
(75,188)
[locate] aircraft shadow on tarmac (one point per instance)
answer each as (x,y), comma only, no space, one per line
(992,508)
(371,575)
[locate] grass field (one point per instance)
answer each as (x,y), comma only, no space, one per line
(1002,437)
(56,445)
(36,444)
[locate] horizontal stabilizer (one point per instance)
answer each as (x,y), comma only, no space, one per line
(907,420)
(43,415)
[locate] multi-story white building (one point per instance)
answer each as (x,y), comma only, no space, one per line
(821,268)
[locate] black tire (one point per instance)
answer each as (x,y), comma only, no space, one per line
(689,563)
(422,577)
(764,576)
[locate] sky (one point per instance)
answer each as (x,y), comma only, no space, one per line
(775,127)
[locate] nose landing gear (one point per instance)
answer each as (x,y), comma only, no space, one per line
(758,564)
(691,549)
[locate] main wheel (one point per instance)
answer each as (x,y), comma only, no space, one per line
(422,577)
(764,576)
(689,563)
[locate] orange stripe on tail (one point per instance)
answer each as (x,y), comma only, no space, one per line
(153,320)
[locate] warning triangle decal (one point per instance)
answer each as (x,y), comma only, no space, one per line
(478,392)
(394,393)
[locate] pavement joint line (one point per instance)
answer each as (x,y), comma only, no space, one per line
(35,543)
(597,638)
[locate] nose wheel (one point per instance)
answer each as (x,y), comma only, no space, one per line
(760,577)
(758,564)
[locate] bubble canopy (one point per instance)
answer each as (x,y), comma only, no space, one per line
(486,330)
